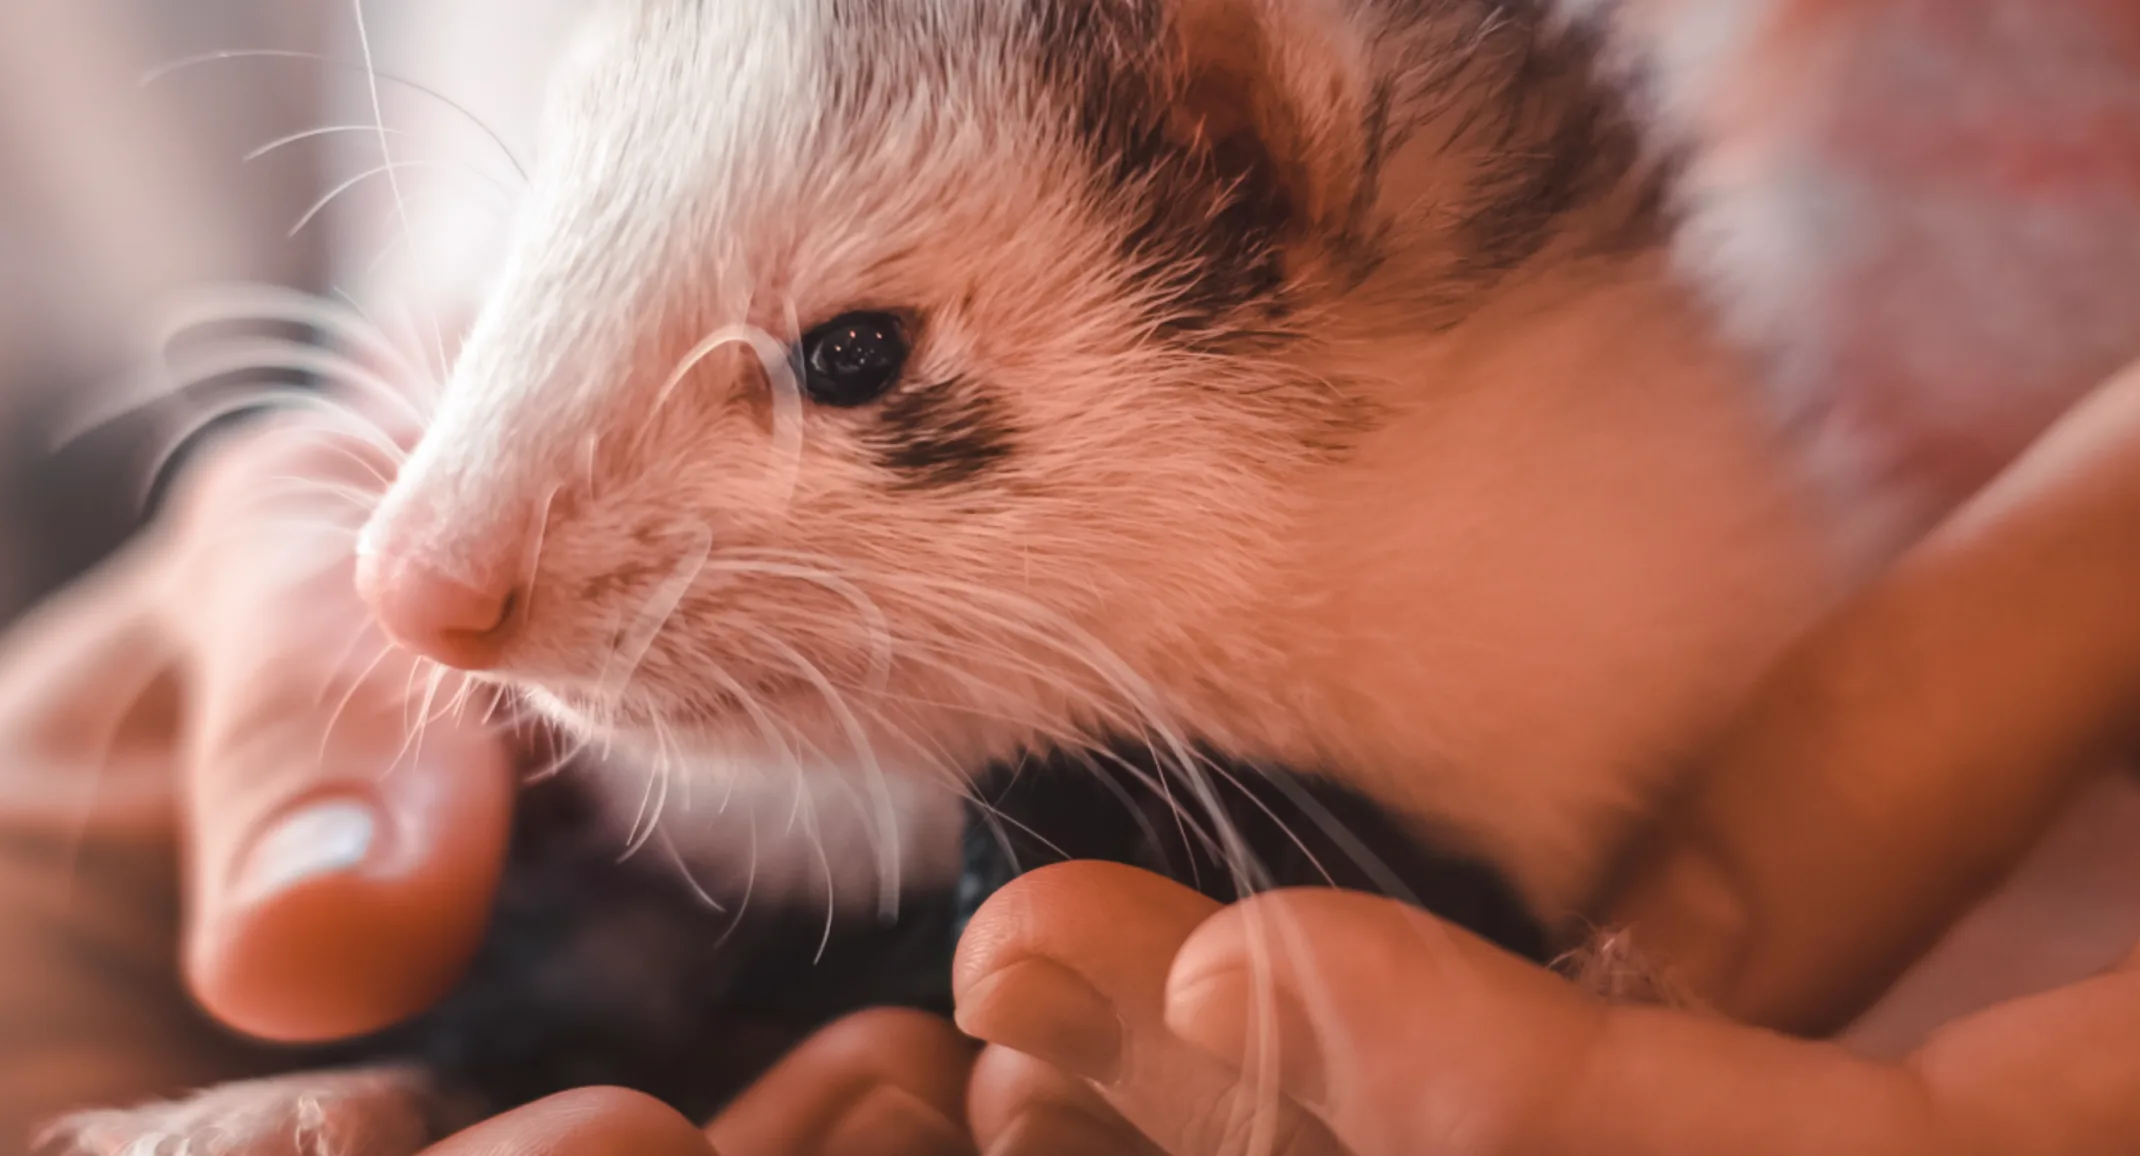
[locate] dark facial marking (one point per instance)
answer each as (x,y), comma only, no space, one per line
(1205,223)
(934,436)
(1560,143)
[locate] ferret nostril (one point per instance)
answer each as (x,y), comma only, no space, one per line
(442,618)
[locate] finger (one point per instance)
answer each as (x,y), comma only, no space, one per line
(1406,1035)
(888,1082)
(2056,1072)
(1021,1106)
(1068,964)
(587,1122)
(343,845)
(88,712)
(1903,758)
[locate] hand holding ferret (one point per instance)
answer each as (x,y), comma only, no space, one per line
(216,696)
(1139,1000)
(1892,767)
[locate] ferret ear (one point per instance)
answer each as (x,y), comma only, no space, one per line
(1279,92)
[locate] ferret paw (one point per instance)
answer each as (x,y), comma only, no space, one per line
(374,1112)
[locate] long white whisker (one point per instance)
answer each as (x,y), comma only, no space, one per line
(309,134)
(668,598)
(386,156)
(887,842)
(156,75)
(391,170)
(781,378)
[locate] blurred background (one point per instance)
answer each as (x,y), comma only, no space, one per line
(132,185)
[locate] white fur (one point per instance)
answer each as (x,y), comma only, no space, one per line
(1570,540)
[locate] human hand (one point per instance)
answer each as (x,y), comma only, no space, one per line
(1892,770)
(216,696)
(218,684)
(1327,1022)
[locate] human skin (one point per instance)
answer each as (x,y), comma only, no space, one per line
(164,718)
(177,704)
(1890,770)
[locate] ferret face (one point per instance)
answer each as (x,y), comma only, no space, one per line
(994,401)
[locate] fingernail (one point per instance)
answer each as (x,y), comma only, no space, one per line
(322,838)
(891,1121)
(1047,1011)
(1241,1022)
(1060,1130)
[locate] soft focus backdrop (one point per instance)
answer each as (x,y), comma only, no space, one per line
(121,201)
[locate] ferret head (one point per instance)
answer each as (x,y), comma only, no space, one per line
(923,374)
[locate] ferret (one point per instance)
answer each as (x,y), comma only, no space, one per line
(1425,415)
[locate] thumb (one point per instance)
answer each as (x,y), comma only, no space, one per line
(342,848)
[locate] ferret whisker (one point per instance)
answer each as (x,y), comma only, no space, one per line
(503,704)
(878,624)
(781,379)
(343,659)
(683,872)
(315,502)
(387,165)
(750,885)
(428,713)
(1261,870)
(170,68)
(389,169)
(370,467)
(413,370)
(961,613)
(289,139)
(1080,647)
(267,353)
(349,693)
(784,379)
(465,697)
(1090,757)
(354,495)
(411,713)
(564,758)
(1231,847)
(158,461)
(531,570)
(233,302)
(650,803)
(807,806)
(951,775)
(1378,870)
(769,729)
(660,606)
(885,844)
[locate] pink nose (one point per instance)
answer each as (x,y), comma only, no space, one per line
(441,618)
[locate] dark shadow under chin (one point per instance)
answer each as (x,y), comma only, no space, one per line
(600,972)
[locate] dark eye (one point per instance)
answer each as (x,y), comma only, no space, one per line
(853,358)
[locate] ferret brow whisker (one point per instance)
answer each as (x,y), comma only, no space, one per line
(386,157)
(288,139)
(390,170)
(171,68)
